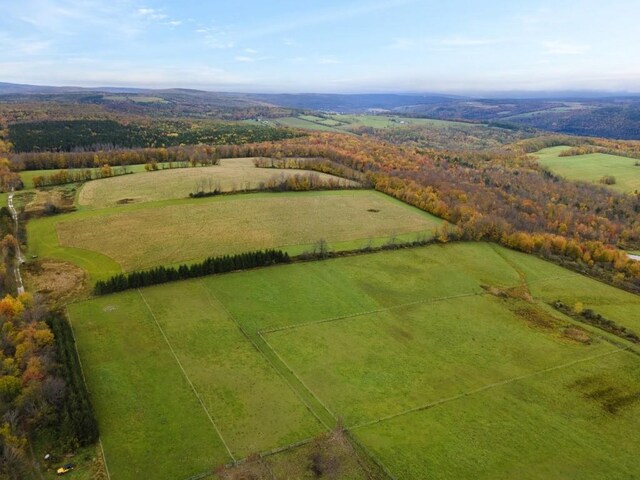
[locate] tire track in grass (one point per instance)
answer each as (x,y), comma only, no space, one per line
(206,411)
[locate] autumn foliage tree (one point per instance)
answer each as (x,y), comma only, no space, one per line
(506,198)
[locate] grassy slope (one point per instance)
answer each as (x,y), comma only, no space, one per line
(592,167)
(179,183)
(342,123)
(249,402)
(380,363)
(186,230)
(143,402)
(254,408)
(552,426)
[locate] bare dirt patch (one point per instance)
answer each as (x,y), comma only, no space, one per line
(49,202)
(55,280)
(577,335)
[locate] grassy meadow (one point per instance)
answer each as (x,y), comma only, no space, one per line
(592,167)
(343,123)
(165,233)
(431,357)
(231,174)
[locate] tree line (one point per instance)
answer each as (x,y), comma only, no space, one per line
(591,317)
(41,386)
(183,156)
(77,423)
(299,182)
(211,265)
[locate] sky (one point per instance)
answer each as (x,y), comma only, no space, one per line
(342,46)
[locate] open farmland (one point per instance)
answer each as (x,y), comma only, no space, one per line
(401,345)
(343,123)
(592,167)
(230,175)
(163,233)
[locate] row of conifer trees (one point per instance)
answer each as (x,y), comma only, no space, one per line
(155,276)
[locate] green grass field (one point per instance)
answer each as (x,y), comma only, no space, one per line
(592,167)
(428,369)
(342,123)
(165,233)
(179,183)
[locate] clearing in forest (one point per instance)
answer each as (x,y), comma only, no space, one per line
(230,175)
(592,167)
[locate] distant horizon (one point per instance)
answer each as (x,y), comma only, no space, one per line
(489,94)
(334,46)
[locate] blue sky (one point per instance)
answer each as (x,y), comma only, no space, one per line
(324,46)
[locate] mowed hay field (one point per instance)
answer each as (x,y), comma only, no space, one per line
(342,123)
(592,167)
(165,233)
(433,362)
(230,175)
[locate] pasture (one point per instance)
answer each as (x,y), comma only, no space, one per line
(343,123)
(592,167)
(140,236)
(431,357)
(230,175)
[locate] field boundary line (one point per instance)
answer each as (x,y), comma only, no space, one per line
(371,455)
(486,387)
(255,345)
(333,415)
(104,458)
(204,407)
(368,312)
(401,305)
(84,379)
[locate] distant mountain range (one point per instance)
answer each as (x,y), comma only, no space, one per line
(602,114)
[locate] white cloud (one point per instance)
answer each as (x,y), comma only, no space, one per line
(442,43)
(23,46)
(467,42)
(152,14)
(215,38)
(328,60)
(245,59)
(555,47)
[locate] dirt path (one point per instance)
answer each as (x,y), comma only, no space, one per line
(20,257)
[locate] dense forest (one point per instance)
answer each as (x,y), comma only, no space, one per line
(41,385)
(66,136)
